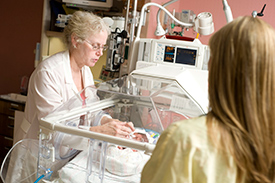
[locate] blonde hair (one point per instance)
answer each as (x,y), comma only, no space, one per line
(242,95)
(84,24)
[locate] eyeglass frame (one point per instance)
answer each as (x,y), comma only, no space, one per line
(96,47)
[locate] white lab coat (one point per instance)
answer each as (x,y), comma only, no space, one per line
(50,85)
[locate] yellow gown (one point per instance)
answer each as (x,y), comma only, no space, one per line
(185,154)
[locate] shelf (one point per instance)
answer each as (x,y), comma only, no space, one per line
(54,34)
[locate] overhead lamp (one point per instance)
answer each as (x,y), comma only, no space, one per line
(227,11)
(159,30)
(204,23)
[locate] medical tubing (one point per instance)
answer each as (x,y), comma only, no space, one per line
(48,172)
(39,178)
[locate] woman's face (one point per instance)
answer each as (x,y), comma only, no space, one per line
(87,55)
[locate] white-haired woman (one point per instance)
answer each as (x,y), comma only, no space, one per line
(61,76)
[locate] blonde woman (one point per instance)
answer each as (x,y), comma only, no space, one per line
(235,141)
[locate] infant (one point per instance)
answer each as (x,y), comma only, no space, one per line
(120,163)
(145,135)
(125,161)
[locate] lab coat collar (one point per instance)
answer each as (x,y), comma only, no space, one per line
(68,72)
(67,69)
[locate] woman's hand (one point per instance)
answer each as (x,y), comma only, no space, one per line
(114,127)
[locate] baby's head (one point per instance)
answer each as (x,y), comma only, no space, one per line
(143,135)
(140,137)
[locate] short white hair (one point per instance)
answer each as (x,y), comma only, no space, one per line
(84,24)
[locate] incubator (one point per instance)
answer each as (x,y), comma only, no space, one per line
(68,152)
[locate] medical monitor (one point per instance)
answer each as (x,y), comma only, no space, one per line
(90,4)
(177,52)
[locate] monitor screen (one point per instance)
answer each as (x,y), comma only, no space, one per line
(169,54)
(186,56)
(98,0)
(89,4)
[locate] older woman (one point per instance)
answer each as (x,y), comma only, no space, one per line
(64,74)
(235,141)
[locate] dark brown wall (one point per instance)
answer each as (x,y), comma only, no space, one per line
(20,30)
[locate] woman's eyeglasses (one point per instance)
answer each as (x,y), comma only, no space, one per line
(96,46)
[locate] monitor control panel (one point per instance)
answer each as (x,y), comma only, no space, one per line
(188,54)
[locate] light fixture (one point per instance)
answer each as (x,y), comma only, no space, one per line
(204,23)
(227,11)
(159,30)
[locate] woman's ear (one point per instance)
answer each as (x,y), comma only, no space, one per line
(74,40)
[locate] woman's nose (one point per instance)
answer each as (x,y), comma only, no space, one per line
(99,52)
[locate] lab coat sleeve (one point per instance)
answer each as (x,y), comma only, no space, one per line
(46,92)
(66,144)
(48,95)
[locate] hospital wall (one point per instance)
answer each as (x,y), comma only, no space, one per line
(19,33)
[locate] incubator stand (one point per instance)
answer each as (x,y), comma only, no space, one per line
(150,104)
